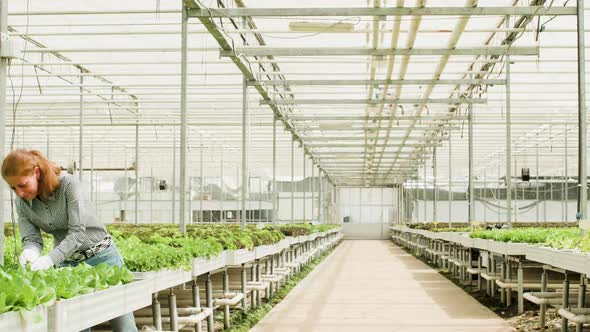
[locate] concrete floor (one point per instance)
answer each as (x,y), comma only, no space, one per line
(373,285)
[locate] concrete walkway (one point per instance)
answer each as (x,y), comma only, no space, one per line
(371,285)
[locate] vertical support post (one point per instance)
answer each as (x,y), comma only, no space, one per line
(190,200)
(537,177)
(508,138)
(312,191)
(156,312)
(304,187)
(471,217)
(543,307)
(81,138)
(244,139)
(201,182)
(209,292)
(321,198)
(183,118)
(226,307)
(581,299)
(565,299)
(450,194)
(136,172)
(222,187)
(520,276)
(434,216)
(172,311)
(484,195)
(173,175)
(424,194)
(274,170)
(565,182)
(196,302)
(582,180)
(292,179)
(244,288)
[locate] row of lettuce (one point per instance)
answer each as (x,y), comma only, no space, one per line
(548,236)
(143,247)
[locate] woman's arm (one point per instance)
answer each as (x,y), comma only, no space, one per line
(29,232)
(76,226)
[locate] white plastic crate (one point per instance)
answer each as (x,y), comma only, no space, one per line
(87,310)
(26,321)
(164,279)
(238,257)
(204,265)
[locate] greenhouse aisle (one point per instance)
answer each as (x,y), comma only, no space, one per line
(372,285)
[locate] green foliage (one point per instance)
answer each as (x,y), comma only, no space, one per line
(302,229)
(23,289)
(163,252)
(548,236)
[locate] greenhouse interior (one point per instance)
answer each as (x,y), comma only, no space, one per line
(349,165)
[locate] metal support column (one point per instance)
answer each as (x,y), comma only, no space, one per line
(582,180)
(471,217)
(201,182)
(434,216)
(312,191)
(274,170)
(508,138)
(321,198)
(537,175)
(424,194)
(172,311)
(565,189)
(174,175)
(156,312)
(566,176)
(304,188)
(222,187)
(244,279)
(245,121)
(196,302)
(292,179)
(209,294)
(183,119)
(81,138)
(136,172)
(450,194)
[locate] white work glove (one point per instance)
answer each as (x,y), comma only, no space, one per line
(28,255)
(42,263)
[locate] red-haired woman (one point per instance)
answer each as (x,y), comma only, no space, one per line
(51,201)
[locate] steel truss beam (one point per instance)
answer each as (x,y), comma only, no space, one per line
(339,51)
(391,11)
(376,82)
(370,101)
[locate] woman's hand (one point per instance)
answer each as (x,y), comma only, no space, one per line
(42,263)
(28,255)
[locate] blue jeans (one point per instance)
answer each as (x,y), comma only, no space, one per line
(111,256)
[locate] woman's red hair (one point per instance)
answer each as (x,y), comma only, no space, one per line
(21,162)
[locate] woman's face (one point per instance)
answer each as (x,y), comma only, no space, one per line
(25,186)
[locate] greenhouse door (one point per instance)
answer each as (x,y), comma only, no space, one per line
(365,213)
